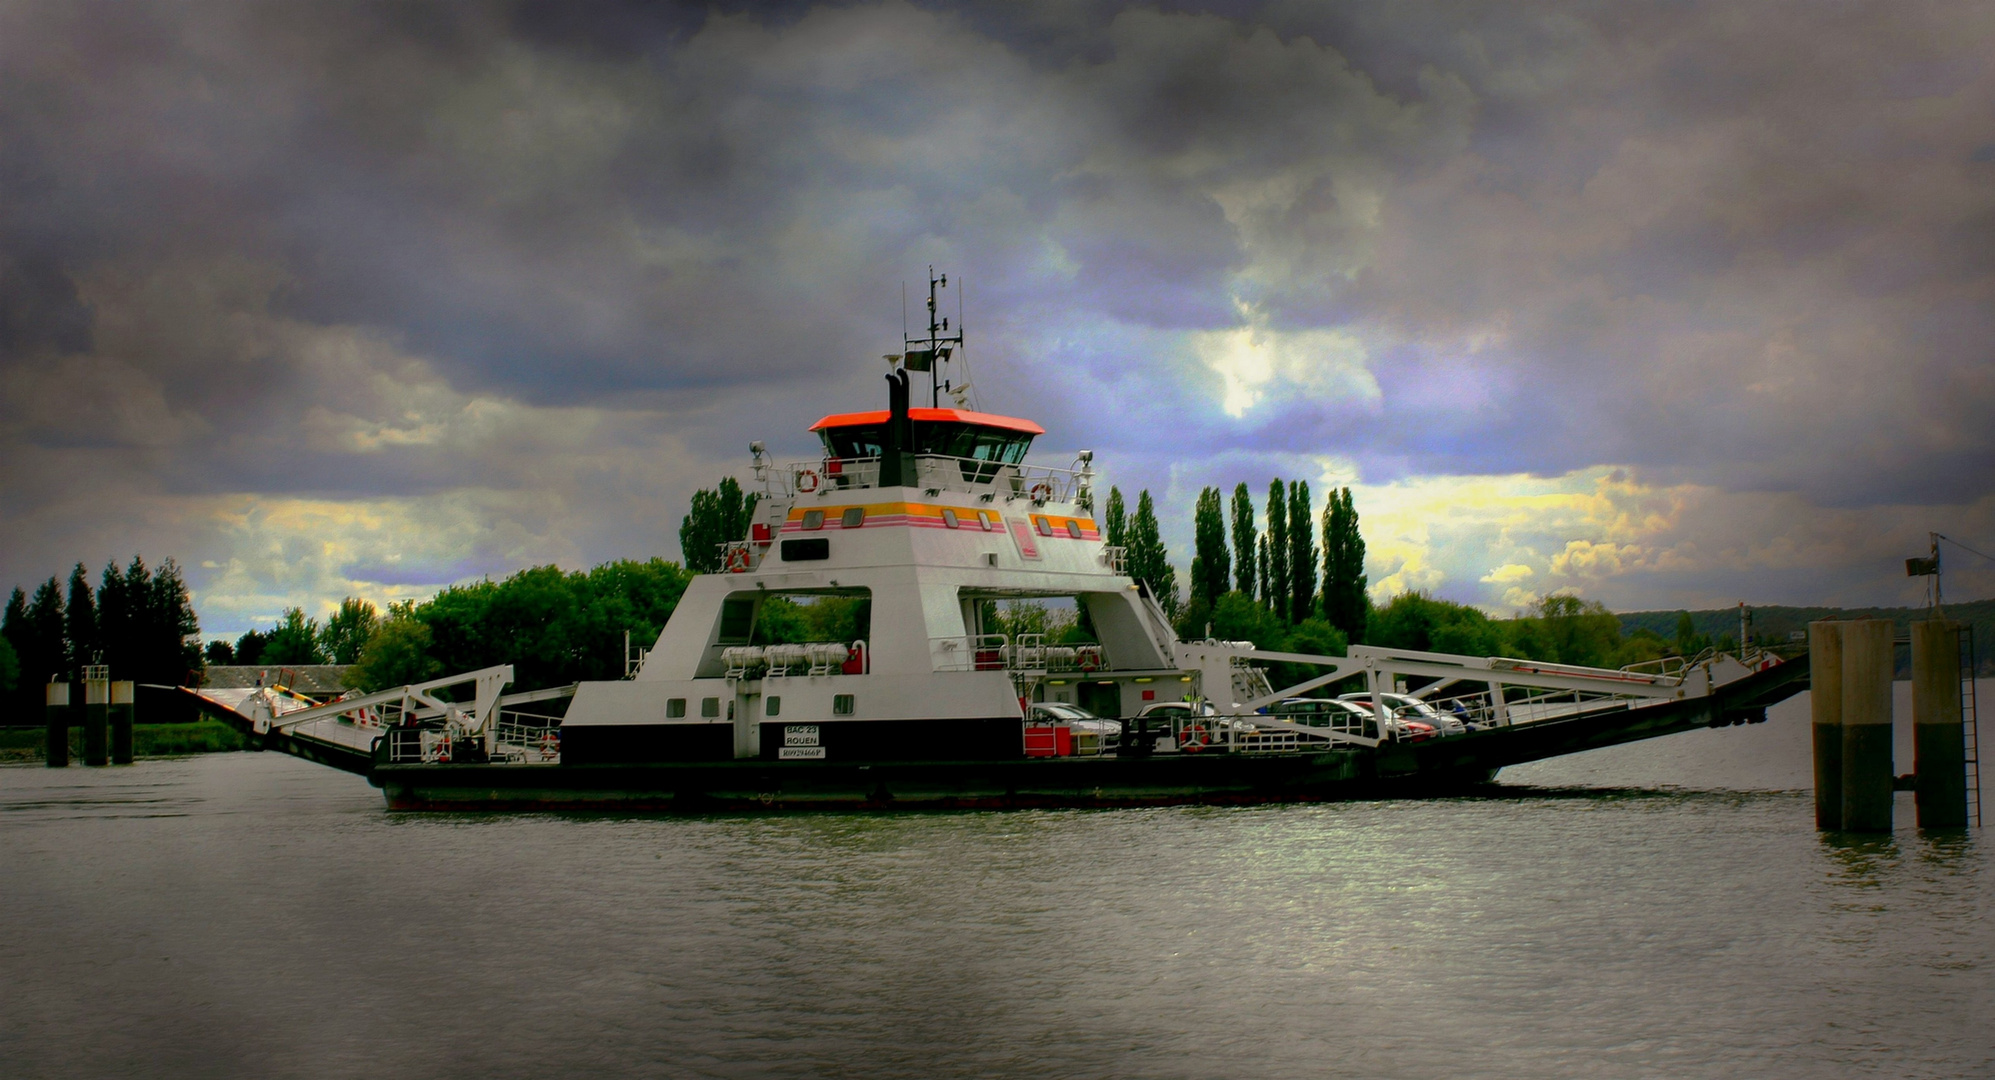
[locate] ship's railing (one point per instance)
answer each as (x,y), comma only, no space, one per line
(938,473)
(970,652)
(526,738)
(1116,558)
(1031,652)
(782,661)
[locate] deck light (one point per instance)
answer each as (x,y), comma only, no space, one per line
(1145,678)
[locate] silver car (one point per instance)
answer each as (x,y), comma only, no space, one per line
(1108,733)
(1408,707)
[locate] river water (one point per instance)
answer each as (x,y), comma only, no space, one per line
(1664,909)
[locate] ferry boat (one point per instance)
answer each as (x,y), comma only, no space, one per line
(931,515)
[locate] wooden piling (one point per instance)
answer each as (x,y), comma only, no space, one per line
(121,722)
(1868,662)
(1825,699)
(1939,758)
(57,716)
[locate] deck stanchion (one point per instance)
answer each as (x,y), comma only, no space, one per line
(121,722)
(1825,700)
(1938,756)
(58,724)
(1867,666)
(96,716)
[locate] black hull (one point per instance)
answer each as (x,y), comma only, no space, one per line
(1163,780)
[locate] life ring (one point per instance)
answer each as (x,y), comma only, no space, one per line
(1089,657)
(1042,491)
(443,752)
(807,481)
(1194,738)
(550,744)
(737,560)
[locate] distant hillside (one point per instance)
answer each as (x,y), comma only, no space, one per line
(1774,624)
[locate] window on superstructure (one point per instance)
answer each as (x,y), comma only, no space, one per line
(841,705)
(1073,528)
(773,707)
(813,519)
(675,708)
(949,517)
(854,517)
(1044,526)
(710,706)
(737,620)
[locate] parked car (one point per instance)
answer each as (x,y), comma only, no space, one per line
(1407,707)
(1061,714)
(1172,718)
(1352,718)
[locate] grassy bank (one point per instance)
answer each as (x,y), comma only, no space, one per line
(148,740)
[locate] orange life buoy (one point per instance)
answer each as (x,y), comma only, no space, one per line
(1194,738)
(807,481)
(737,560)
(1042,491)
(1089,657)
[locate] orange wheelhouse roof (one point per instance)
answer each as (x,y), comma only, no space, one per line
(959,416)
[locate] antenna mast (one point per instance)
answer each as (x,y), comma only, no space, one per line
(937,346)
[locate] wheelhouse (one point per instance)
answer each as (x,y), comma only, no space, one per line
(983,442)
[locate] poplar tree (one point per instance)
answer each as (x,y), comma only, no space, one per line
(1261,562)
(1149,561)
(1302,553)
(1243,539)
(1116,519)
(1211,566)
(1277,591)
(80,623)
(1346,605)
(718,515)
(114,616)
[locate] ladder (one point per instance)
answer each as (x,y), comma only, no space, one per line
(1970,734)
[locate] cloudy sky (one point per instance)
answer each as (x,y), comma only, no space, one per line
(1668,304)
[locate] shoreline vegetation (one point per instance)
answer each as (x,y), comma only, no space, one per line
(28,745)
(1286,576)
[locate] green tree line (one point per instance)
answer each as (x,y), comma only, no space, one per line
(137,621)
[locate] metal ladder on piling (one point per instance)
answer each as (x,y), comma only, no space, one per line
(1970,727)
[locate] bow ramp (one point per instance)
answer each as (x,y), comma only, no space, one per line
(462,711)
(1492,712)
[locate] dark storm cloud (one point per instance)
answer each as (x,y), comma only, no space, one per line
(389,251)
